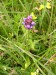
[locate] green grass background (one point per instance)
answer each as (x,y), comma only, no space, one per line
(23,51)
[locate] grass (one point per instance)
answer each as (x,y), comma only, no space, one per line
(23,51)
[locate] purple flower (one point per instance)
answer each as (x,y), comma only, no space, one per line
(28,22)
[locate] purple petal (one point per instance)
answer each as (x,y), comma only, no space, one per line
(31,27)
(33,23)
(29,17)
(24,19)
(27,26)
(23,23)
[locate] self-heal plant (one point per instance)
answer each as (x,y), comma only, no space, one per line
(28,21)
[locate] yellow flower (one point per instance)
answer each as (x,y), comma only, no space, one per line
(41,7)
(33,16)
(33,73)
(48,5)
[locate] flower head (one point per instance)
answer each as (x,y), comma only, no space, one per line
(28,22)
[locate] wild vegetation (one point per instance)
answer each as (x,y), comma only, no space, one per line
(27,37)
